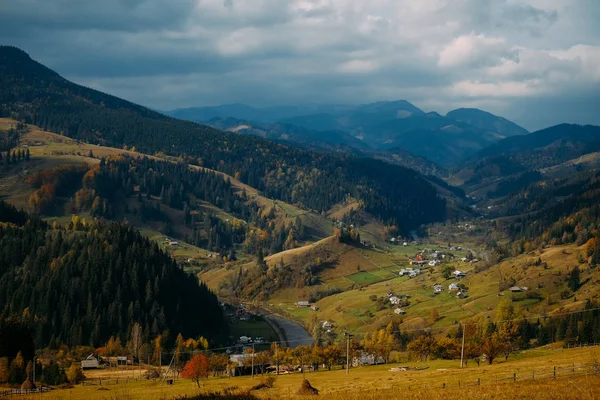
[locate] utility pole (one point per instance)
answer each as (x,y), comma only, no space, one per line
(302,363)
(462,349)
(277,358)
(348,336)
(252,360)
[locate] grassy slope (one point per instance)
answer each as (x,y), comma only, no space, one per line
(58,150)
(354,310)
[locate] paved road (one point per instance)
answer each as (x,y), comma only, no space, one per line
(295,333)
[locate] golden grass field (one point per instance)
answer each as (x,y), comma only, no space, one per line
(376,382)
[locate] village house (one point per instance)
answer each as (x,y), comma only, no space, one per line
(515,289)
(459,274)
(326,325)
(245,339)
(433,263)
(411,272)
(399,311)
(314,307)
(453,286)
(437,289)
(90,362)
(367,359)
(302,303)
(461,295)
(394,300)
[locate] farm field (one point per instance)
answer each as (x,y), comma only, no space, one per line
(373,382)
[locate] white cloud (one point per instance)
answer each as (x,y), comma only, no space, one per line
(441,53)
(358,66)
(497,89)
(474,50)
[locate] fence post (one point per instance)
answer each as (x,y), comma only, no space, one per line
(478,381)
(515,377)
(443,386)
(573,369)
(533,374)
(554,372)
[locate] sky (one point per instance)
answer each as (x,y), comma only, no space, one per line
(536,62)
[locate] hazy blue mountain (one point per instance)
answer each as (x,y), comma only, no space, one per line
(249,113)
(487,121)
(289,133)
(445,140)
(570,135)
(355,118)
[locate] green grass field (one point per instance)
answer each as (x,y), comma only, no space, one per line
(364,277)
(256,328)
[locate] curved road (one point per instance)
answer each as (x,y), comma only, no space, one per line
(295,334)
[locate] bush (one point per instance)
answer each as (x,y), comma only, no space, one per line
(267,382)
(152,373)
(75,374)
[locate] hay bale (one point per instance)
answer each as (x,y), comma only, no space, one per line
(306,389)
(28,385)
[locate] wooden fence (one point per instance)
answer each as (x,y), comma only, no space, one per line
(573,370)
(18,392)
(113,381)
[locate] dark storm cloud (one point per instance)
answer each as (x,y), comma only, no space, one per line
(441,54)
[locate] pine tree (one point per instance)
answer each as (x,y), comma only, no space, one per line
(27,154)
(574,279)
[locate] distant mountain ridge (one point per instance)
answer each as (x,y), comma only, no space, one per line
(380,126)
(487,121)
(318,181)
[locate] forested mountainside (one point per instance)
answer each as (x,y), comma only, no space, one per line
(515,162)
(34,93)
(556,211)
(327,141)
(147,189)
(83,283)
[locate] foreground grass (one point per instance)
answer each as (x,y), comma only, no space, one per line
(378,382)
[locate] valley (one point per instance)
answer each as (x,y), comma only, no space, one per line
(296,237)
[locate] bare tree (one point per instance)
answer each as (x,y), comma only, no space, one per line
(136,339)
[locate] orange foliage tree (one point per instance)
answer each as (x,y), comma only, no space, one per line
(196,368)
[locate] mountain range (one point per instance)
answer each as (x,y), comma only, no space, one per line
(379,126)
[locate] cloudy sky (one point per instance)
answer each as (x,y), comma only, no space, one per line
(536,62)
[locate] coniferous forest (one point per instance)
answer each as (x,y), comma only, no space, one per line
(84,283)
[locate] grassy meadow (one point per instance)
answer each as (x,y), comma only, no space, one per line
(374,382)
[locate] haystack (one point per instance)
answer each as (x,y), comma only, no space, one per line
(307,389)
(28,385)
